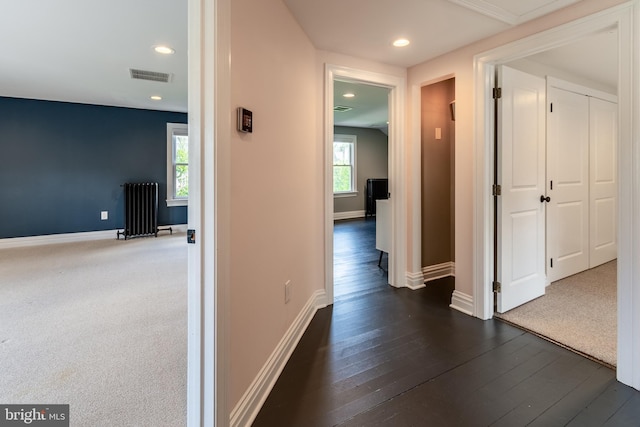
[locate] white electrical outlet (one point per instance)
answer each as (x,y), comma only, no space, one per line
(104,215)
(287,291)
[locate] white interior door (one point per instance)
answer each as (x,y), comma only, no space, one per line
(567,183)
(521,174)
(603,181)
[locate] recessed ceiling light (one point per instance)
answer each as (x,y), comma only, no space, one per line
(165,50)
(349,95)
(156,97)
(401,43)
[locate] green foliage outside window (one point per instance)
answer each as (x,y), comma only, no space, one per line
(182,181)
(341,178)
(181,166)
(342,167)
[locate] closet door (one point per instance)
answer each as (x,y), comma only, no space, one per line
(603,181)
(567,183)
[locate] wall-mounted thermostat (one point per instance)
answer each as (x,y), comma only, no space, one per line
(245,120)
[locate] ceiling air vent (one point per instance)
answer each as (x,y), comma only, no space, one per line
(153,76)
(341,108)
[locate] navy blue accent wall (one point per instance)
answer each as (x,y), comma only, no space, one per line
(63,163)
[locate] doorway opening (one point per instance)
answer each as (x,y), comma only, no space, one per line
(360,184)
(395,93)
(577,187)
(485,65)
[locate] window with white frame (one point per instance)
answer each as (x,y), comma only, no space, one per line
(344,165)
(177,164)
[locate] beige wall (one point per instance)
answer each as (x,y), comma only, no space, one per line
(277,194)
(437,173)
(459,63)
(372,159)
(276,184)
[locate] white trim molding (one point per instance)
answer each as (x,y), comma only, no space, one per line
(337,216)
(174,129)
(209,40)
(415,281)
(462,302)
(438,271)
(251,402)
(52,239)
(432,272)
(345,194)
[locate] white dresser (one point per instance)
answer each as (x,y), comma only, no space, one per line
(383,225)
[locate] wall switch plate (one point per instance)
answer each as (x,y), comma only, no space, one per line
(438,133)
(104,215)
(287,291)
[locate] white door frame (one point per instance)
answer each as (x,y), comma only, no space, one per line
(626,18)
(397,90)
(209,125)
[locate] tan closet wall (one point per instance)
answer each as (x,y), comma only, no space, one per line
(438,143)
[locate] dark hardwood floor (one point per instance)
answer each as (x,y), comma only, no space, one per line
(355,259)
(394,357)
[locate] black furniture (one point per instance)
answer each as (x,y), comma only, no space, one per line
(377,188)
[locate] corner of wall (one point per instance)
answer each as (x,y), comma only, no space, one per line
(462,302)
(415,280)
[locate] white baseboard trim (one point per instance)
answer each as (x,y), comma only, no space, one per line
(348,215)
(415,281)
(49,239)
(251,402)
(462,302)
(438,271)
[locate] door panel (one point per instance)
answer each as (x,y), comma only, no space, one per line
(603,181)
(567,183)
(569,237)
(521,174)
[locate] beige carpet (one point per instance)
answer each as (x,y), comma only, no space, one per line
(578,312)
(99,325)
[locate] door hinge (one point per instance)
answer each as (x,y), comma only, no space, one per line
(551,107)
(551,262)
(551,185)
(497,287)
(497,190)
(497,92)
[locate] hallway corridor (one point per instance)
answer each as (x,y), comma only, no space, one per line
(396,357)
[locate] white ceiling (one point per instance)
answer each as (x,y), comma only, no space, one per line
(366,29)
(81,51)
(592,58)
(369,106)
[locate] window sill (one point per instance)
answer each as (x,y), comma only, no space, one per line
(177,202)
(345,194)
